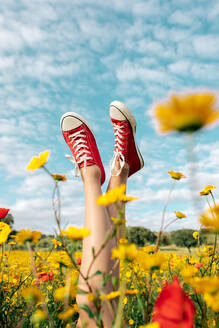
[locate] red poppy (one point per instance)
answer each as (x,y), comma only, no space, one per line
(3,212)
(45,276)
(198,265)
(173,308)
(79,261)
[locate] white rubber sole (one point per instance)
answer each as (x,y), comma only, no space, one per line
(79,117)
(130,118)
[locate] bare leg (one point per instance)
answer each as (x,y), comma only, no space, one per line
(112,209)
(97,220)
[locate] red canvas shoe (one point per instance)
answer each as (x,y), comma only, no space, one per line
(80,139)
(125,149)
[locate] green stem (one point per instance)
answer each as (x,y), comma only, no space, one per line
(213,198)
(118,320)
(212,259)
(168,224)
(148,297)
(163,216)
(210,207)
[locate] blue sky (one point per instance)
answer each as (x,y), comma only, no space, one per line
(58,56)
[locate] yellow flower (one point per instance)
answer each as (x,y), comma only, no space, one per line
(180,215)
(118,221)
(132,291)
(32,294)
(209,221)
(131,322)
(12,243)
(26,235)
(149,249)
(111,295)
(212,300)
(76,233)
(56,243)
(38,316)
(207,190)
(65,292)
(176,175)
(211,323)
(186,113)
(206,285)
(36,162)
(90,297)
(68,313)
(128,274)
(152,261)
(188,272)
(59,177)
(125,252)
(115,195)
(151,325)
(123,241)
(5,229)
(125,300)
(195,234)
(206,251)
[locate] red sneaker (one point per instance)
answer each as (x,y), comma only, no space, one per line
(125,149)
(80,139)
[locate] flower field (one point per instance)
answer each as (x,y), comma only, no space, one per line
(156,288)
(31,300)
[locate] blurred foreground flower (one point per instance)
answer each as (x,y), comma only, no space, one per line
(118,221)
(67,292)
(209,287)
(153,261)
(36,162)
(115,195)
(111,295)
(68,313)
(207,190)
(3,212)
(176,175)
(25,235)
(186,112)
(75,233)
(5,229)
(173,308)
(210,219)
(32,294)
(125,252)
(38,316)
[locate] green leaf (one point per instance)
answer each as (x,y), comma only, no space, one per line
(98,272)
(93,252)
(87,309)
(114,282)
(140,304)
(105,280)
(82,292)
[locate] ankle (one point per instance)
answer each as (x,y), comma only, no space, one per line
(124,171)
(90,173)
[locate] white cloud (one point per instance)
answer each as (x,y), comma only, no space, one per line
(181,67)
(206,46)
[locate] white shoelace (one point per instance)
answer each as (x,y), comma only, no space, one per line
(118,130)
(81,156)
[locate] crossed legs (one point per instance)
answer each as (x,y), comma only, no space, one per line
(97,219)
